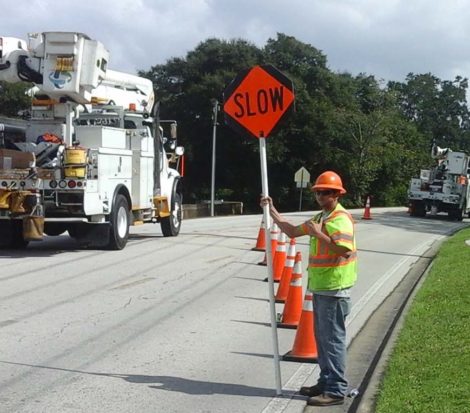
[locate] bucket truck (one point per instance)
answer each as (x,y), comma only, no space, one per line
(442,188)
(94,158)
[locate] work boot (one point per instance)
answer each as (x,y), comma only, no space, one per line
(311,391)
(325,399)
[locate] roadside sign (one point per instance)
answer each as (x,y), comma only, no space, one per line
(257,99)
(302,178)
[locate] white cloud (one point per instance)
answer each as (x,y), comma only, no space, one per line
(385,38)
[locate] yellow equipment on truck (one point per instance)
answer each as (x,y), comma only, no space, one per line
(94,159)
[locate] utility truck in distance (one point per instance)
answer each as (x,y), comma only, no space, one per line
(95,157)
(442,188)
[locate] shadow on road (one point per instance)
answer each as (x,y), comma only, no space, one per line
(256,323)
(438,224)
(174,384)
(54,245)
(48,247)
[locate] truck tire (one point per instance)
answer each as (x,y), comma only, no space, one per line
(11,234)
(457,214)
(17,239)
(54,229)
(171,225)
(120,221)
(418,209)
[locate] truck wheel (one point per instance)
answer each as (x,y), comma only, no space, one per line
(54,228)
(171,225)
(17,239)
(120,222)
(457,214)
(11,235)
(418,209)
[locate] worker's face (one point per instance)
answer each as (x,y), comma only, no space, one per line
(326,198)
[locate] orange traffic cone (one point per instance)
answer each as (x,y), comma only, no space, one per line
(293,308)
(261,240)
(279,258)
(305,346)
(367,210)
(274,232)
(286,277)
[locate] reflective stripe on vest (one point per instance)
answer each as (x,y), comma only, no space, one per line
(331,260)
(342,237)
(323,256)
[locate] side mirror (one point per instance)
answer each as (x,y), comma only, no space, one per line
(179,150)
(173,128)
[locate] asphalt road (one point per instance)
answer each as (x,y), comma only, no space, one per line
(171,324)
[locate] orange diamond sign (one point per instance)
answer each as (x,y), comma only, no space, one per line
(257,99)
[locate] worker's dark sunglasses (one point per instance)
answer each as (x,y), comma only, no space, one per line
(326,192)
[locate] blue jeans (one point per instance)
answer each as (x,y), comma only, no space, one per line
(330,334)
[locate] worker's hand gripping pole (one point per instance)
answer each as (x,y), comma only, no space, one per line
(269,252)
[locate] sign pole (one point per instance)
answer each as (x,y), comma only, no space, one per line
(301,187)
(269,261)
(214,135)
(254,103)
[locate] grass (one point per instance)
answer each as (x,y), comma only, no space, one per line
(429,369)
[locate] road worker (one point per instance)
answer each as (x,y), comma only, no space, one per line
(331,274)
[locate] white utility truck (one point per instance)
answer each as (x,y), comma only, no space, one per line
(442,188)
(93,159)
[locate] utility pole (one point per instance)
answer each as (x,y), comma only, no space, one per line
(215,110)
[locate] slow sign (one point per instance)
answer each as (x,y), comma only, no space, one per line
(257,99)
(254,103)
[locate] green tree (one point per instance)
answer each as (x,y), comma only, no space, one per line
(376,137)
(186,87)
(13,98)
(438,108)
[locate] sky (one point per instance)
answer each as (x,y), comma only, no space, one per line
(384,38)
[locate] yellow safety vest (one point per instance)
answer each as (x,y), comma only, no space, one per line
(328,270)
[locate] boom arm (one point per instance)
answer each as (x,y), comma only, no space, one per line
(70,67)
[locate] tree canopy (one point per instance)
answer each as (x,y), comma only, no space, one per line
(376,135)
(13,98)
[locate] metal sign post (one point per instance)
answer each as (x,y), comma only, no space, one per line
(269,261)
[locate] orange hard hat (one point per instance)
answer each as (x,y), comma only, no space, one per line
(329,180)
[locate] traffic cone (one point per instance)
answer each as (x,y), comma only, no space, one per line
(305,346)
(293,308)
(367,210)
(261,240)
(286,277)
(274,232)
(279,258)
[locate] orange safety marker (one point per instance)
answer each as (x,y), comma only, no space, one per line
(274,232)
(261,240)
(279,258)
(367,210)
(305,346)
(293,308)
(286,277)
